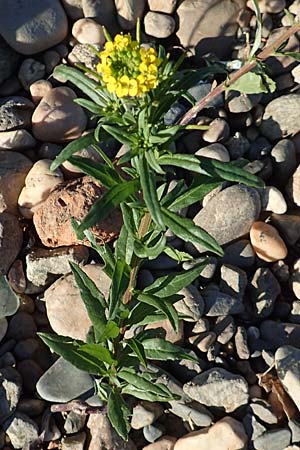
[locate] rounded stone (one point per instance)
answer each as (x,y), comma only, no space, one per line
(39,89)
(272,200)
(57,118)
(30,71)
(128,12)
(159,25)
(164,443)
(214,151)
(281,118)
(165,6)
(16,140)
(266,242)
(21,430)
(11,239)
(31,27)
(39,181)
(88,31)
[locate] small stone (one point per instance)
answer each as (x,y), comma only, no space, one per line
(9,301)
(16,140)
(15,113)
(8,61)
(277,334)
(144,414)
(171,334)
(10,391)
(21,430)
(39,181)
(294,426)
(230,214)
(31,406)
(103,435)
(241,103)
(153,432)
(233,281)
(293,185)
(252,426)
(39,89)
(30,27)
(74,422)
(30,71)
(21,326)
(218,388)
(237,145)
(57,118)
(287,363)
(239,254)
(218,131)
(225,329)
(42,264)
(75,442)
(288,226)
(201,325)
(192,304)
(56,385)
(276,439)
(226,433)
(165,443)
(103,12)
(11,238)
(208,271)
(295,278)
(88,31)
(73,9)
(128,12)
(159,25)
(214,151)
(83,54)
(30,372)
(241,343)
(165,6)
(73,199)
(281,271)
(203,341)
(219,304)
(192,412)
(26,349)
(51,59)
(3,327)
(65,309)
(263,410)
(272,200)
(266,242)
(264,292)
(280,118)
(13,170)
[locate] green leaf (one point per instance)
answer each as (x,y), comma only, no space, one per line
(162,350)
(73,147)
(189,232)
(164,135)
(81,355)
(124,246)
(177,255)
(171,196)
(142,384)
(104,205)
(192,195)
(120,134)
(147,395)
(107,176)
(150,252)
(89,105)
(252,83)
(119,284)
(258,31)
(173,283)
(187,162)
(111,331)
(117,414)
(148,184)
(128,219)
(161,304)
(152,161)
(138,349)
(93,299)
(104,251)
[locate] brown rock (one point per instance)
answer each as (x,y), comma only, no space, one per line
(165,443)
(266,242)
(72,199)
(66,311)
(171,335)
(11,238)
(57,118)
(13,170)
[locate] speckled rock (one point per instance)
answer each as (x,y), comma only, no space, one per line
(287,362)
(230,214)
(21,430)
(266,242)
(57,118)
(11,238)
(15,113)
(16,140)
(10,391)
(30,71)
(72,199)
(65,309)
(281,118)
(31,27)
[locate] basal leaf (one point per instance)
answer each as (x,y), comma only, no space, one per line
(89,105)
(184,161)
(73,147)
(118,414)
(189,232)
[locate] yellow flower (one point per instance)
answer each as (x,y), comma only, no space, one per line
(128,69)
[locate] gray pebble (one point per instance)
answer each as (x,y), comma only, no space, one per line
(240,254)
(263,410)
(144,414)
(233,281)
(30,71)
(21,430)
(192,304)
(277,334)
(264,292)
(219,304)
(294,426)
(21,326)
(288,226)
(218,131)
(15,113)
(10,391)
(284,160)
(225,329)
(253,427)
(192,411)
(74,422)
(240,103)
(237,145)
(241,343)
(275,439)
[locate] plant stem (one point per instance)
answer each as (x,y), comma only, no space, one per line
(143,228)
(264,54)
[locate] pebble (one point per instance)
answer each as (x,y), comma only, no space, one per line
(218,131)
(26,349)
(295,278)
(192,304)
(51,59)
(237,145)
(219,304)
(83,54)
(10,391)
(13,170)
(277,334)
(153,432)
(224,328)
(74,422)
(31,27)
(267,243)
(21,326)
(8,61)
(144,414)
(192,412)
(16,140)
(164,443)
(15,113)
(239,254)
(21,430)
(30,71)
(171,334)
(39,89)
(11,239)
(276,439)
(56,385)
(39,181)
(264,291)
(31,406)
(75,442)
(103,435)
(214,151)
(294,426)
(226,433)
(272,200)
(57,118)
(218,388)
(287,363)
(230,214)
(165,6)
(73,8)
(104,12)
(233,281)
(65,308)
(30,372)
(252,426)
(159,25)
(3,327)
(72,199)
(263,410)
(241,103)
(128,12)
(208,271)
(88,31)
(42,264)
(241,343)
(293,185)
(280,118)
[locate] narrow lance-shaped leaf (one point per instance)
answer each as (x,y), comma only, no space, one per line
(118,287)
(162,350)
(104,251)
(163,305)
(103,206)
(150,252)
(107,176)
(137,347)
(192,195)
(73,147)
(118,414)
(189,232)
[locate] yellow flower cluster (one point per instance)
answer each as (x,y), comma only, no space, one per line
(127,68)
